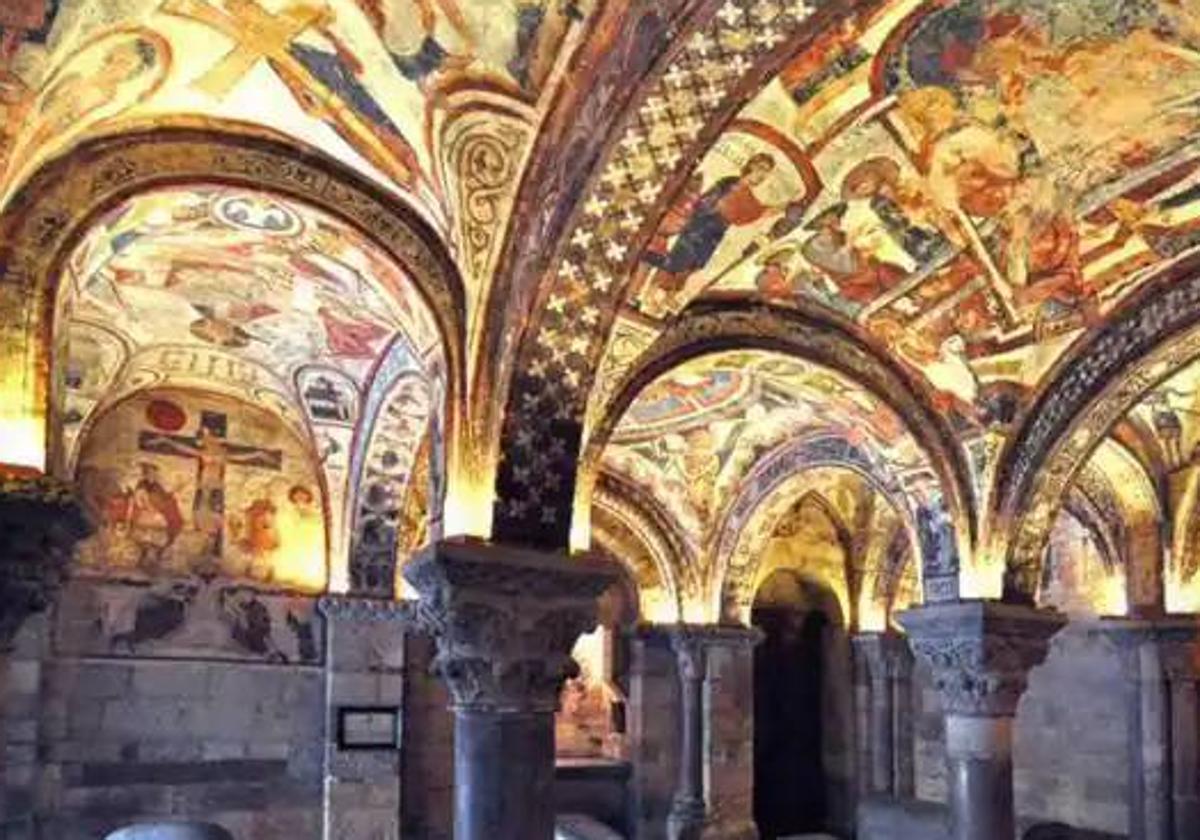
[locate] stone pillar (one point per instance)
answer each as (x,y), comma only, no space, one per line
(1161,660)
(904,780)
(980,653)
(889,769)
(505,621)
(1183,669)
(40,523)
(714,795)
(365,652)
(653,744)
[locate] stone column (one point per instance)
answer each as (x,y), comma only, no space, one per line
(687,806)
(980,653)
(1181,665)
(1161,661)
(904,780)
(40,523)
(505,621)
(714,794)
(886,658)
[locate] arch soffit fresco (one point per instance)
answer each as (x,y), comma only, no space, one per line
(54,210)
(537,382)
(738,567)
(705,329)
(718,62)
(1088,391)
(628,529)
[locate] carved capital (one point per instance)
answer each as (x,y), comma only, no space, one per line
(692,642)
(1174,640)
(887,654)
(40,523)
(980,652)
(354,608)
(505,620)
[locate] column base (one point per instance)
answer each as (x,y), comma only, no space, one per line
(729,830)
(697,825)
(687,819)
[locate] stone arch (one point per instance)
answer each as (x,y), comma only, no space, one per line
(52,211)
(1104,374)
(816,337)
(630,524)
(385,466)
(772,489)
(573,267)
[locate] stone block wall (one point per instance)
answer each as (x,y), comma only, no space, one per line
(365,650)
(653,727)
(729,691)
(238,744)
(1071,745)
(20,710)
(428,756)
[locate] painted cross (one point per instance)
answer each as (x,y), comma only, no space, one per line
(257,35)
(213,453)
(325,84)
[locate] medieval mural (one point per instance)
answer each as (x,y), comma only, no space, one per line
(208,513)
(973,186)
(968,189)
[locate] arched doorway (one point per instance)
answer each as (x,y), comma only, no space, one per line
(799,685)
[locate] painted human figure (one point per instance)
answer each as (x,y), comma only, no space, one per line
(260,537)
(76,96)
(212,454)
(154,518)
(651,298)
(730,202)
(539,31)
(859,276)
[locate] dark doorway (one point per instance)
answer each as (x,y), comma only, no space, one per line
(791,785)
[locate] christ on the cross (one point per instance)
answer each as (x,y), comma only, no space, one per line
(213,454)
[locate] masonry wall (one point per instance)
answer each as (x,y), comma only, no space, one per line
(653,726)
(235,744)
(94,743)
(1071,745)
(427,762)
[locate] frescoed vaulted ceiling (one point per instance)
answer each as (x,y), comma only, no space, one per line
(942,251)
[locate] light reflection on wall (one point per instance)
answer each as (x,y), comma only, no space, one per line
(1182,595)
(470,496)
(1078,581)
(22,424)
(872,615)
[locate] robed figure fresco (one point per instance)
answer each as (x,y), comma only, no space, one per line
(702,222)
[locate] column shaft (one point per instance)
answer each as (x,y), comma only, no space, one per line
(505,621)
(1185,733)
(691,759)
(503,775)
(688,807)
(980,653)
(979,753)
(904,773)
(882,736)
